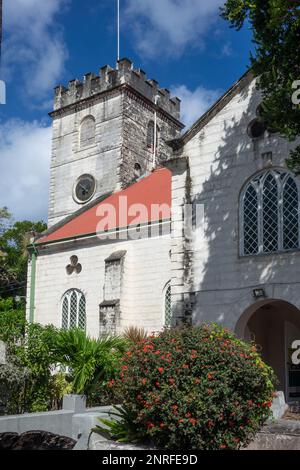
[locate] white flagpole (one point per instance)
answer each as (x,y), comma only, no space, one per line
(118,29)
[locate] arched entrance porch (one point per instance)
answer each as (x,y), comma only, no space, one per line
(273,325)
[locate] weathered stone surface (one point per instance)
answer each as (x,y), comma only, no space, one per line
(35,440)
(3,360)
(97,442)
(281,435)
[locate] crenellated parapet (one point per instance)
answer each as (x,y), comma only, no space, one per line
(110,78)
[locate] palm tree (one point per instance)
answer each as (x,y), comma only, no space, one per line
(90,360)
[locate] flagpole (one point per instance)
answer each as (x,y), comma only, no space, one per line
(0,31)
(118,29)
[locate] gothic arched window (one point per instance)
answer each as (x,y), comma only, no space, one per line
(73,310)
(87,132)
(269,213)
(167,306)
(150,135)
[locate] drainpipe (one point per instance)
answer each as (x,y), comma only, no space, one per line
(155,132)
(32,283)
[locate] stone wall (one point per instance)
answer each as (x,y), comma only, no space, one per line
(69,160)
(122,102)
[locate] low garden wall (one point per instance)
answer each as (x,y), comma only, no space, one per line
(74,420)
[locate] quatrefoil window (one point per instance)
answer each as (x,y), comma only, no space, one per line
(74,266)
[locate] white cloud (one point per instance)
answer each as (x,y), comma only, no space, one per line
(169,26)
(25,149)
(194,103)
(33,47)
(227,50)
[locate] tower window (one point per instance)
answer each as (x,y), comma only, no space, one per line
(137,170)
(269,211)
(87,132)
(73,310)
(150,135)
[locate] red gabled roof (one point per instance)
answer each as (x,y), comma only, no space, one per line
(152,191)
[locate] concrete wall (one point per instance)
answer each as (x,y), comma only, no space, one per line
(74,420)
(146,271)
(222,157)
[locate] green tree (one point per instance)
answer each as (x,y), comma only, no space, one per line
(275,25)
(5,216)
(13,246)
(12,321)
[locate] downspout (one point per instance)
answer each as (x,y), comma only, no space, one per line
(34,254)
(155,132)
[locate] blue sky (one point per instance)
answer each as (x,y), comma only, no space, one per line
(183,44)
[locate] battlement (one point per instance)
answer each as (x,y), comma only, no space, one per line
(110,78)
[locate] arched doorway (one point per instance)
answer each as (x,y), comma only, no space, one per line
(273,325)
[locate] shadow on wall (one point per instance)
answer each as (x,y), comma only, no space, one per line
(221,279)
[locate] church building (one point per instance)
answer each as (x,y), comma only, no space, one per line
(150,226)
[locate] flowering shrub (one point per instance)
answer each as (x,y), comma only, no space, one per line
(196,388)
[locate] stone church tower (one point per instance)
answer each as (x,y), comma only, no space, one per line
(103,134)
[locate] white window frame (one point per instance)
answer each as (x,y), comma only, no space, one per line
(67,296)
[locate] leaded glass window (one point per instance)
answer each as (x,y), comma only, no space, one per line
(290,214)
(168,306)
(269,212)
(73,310)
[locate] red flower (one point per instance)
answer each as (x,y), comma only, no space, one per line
(162,425)
(223,446)
(181,421)
(188,415)
(157,352)
(210,376)
(150,425)
(193,421)
(185,366)
(144,381)
(175,407)
(124,367)
(160,370)
(172,381)
(157,384)
(111,383)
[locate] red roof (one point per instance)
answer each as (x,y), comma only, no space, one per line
(152,194)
